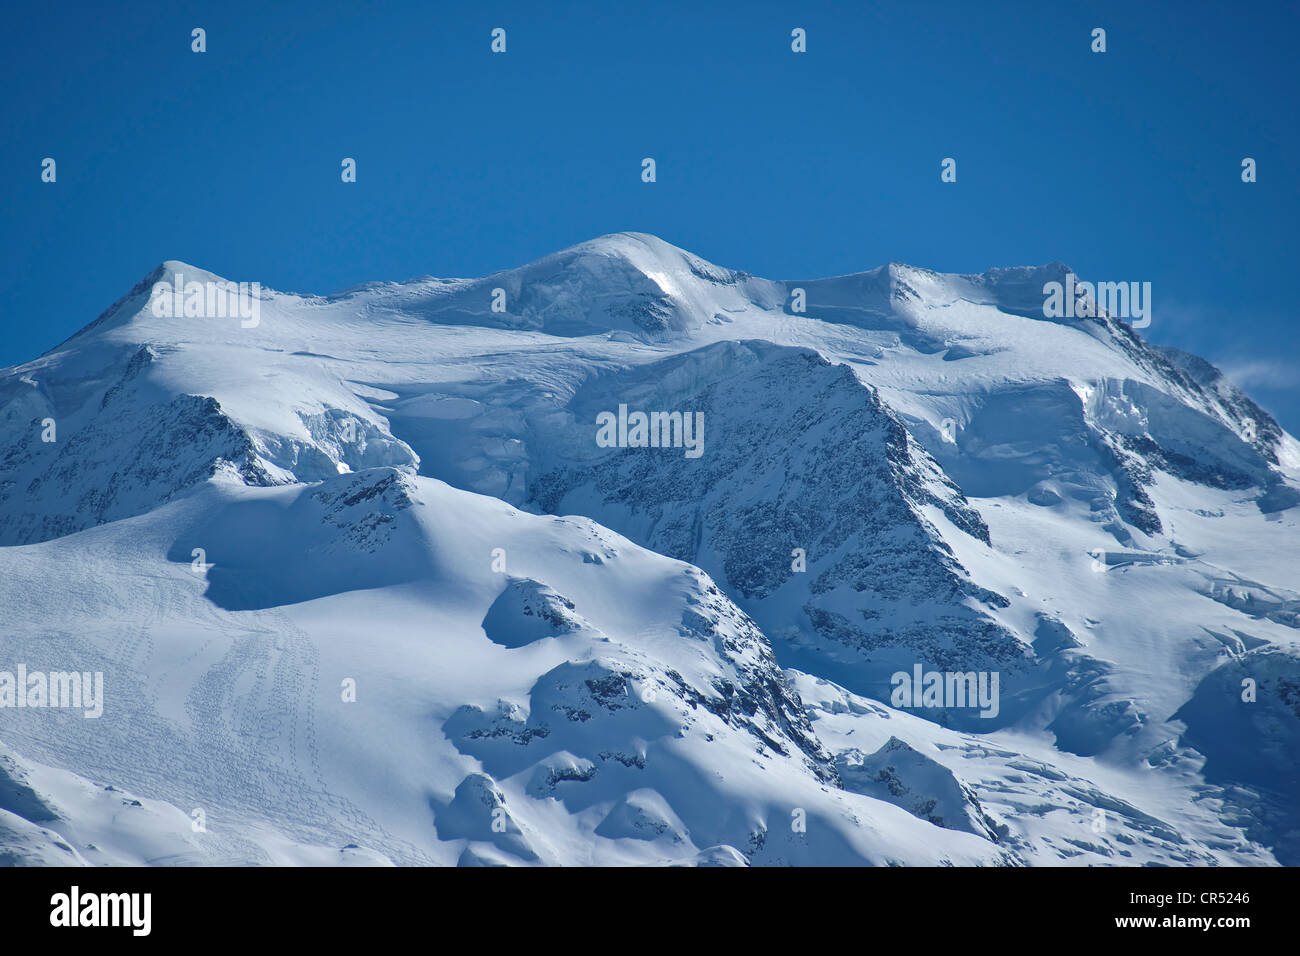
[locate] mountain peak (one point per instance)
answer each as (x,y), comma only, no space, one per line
(169,269)
(1099,533)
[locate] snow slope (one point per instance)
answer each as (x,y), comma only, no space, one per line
(1107,526)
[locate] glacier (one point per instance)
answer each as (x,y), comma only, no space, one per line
(366,589)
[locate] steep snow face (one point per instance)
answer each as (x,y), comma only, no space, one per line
(808,499)
(628,283)
(896,469)
(898,773)
(122,418)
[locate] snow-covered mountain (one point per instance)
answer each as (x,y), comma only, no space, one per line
(366,583)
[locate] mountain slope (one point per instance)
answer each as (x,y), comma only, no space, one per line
(897,469)
(611,734)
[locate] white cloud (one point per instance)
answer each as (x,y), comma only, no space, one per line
(1261,373)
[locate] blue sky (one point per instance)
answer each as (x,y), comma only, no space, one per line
(1125,165)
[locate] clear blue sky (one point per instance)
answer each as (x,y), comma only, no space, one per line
(1125,165)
